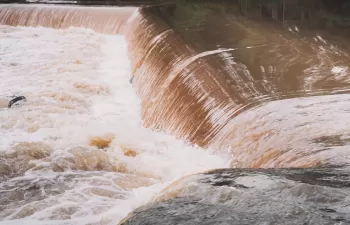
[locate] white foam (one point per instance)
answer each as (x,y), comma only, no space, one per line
(77,85)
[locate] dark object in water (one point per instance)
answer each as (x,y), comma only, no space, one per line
(16,99)
(131,79)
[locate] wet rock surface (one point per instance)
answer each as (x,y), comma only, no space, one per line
(252,196)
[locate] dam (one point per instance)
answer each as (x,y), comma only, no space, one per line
(237,113)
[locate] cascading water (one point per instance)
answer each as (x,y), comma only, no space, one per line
(253,95)
(104,20)
(75,151)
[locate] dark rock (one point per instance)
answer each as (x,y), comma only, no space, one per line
(252,196)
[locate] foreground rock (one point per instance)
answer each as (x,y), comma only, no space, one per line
(252,196)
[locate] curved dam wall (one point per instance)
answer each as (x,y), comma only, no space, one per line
(226,81)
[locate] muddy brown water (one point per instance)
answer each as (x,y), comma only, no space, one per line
(266,83)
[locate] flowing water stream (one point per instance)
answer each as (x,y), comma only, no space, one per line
(131,106)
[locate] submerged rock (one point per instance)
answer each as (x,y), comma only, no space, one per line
(252,196)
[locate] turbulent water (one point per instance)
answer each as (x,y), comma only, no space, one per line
(123,101)
(75,151)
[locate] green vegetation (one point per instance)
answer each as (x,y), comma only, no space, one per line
(317,13)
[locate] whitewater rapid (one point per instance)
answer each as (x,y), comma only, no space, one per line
(76,151)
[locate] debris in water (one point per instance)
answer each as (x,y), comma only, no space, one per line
(131,79)
(16,99)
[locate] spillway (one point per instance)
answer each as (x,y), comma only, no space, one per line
(123,101)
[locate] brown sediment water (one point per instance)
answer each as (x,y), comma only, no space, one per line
(193,83)
(198,85)
(104,20)
(255,91)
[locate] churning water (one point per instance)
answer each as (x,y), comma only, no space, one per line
(76,152)
(128,111)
